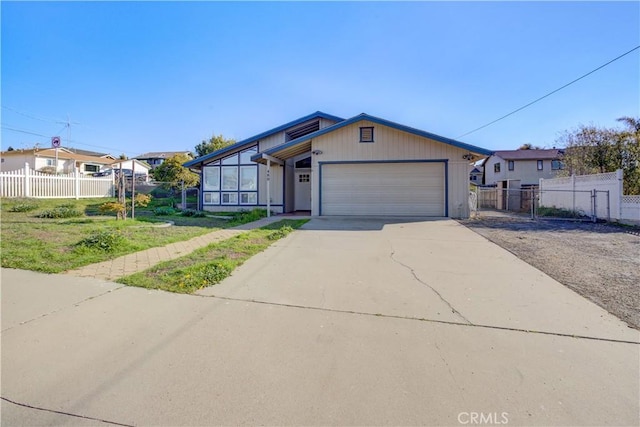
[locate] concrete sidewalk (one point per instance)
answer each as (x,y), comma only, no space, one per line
(140,261)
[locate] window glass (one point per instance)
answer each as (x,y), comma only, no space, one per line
(245,156)
(556,165)
(248,177)
(229,198)
(211,178)
(496,167)
(233,160)
(211,198)
(229,177)
(511,165)
(539,165)
(248,198)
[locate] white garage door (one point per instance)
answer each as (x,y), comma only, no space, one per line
(405,189)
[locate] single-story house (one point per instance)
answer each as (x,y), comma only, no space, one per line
(525,166)
(156,158)
(65,161)
(364,166)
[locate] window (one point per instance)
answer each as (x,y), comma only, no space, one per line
(229,198)
(248,178)
(211,178)
(540,165)
(49,162)
(226,182)
(366,134)
(229,177)
(496,167)
(474,178)
(304,177)
(211,198)
(556,165)
(248,198)
(91,168)
(511,165)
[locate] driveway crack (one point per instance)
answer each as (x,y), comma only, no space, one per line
(415,276)
(84,417)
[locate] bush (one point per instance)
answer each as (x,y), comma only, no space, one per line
(193,213)
(164,211)
(23,207)
(114,207)
(142,200)
(60,212)
(106,241)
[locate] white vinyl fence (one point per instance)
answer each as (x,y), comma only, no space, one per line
(29,183)
(580,193)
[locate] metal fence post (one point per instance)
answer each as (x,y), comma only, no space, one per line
(184,196)
(608,207)
(594,205)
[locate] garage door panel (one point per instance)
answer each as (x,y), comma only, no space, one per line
(410,189)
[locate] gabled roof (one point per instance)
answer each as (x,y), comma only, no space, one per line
(317,114)
(290,146)
(161,154)
(540,154)
(63,153)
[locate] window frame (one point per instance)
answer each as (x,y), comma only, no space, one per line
(496,167)
(540,165)
(511,165)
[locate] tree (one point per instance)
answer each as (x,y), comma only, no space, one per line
(11,148)
(215,143)
(591,149)
(172,173)
(122,156)
(528,146)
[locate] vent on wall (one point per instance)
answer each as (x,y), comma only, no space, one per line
(303,130)
(366,134)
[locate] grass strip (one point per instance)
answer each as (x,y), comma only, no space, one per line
(210,265)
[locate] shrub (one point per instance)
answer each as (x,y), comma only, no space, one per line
(60,212)
(106,241)
(23,207)
(559,212)
(114,207)
(280,233)
(142,200)
(192,212)
(164,211)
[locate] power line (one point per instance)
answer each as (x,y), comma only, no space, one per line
(32,116)
(550,93)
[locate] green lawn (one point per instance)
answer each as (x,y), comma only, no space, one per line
(52,245)
(211,264)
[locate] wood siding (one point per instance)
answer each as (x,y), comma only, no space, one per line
(392,144)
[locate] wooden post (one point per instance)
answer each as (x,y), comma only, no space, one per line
(268,188)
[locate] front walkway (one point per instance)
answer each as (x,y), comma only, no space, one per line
(139,261)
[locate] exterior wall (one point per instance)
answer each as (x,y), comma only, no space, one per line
(276,190)
(392,144)
(524,170)
(16,161)
(280,137)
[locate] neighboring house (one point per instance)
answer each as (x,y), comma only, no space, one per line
(66,162)
(131,166)
(327,165)
(475,176)
(526,166)
(155,159)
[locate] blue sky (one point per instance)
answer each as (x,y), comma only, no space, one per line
(162,76)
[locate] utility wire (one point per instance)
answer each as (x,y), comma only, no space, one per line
(31,116)
(550,93)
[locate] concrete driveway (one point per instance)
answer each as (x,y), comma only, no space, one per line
(346,322)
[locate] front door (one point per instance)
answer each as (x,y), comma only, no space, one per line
(303,191)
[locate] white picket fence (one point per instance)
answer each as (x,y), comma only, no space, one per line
(577,193)
(29,183)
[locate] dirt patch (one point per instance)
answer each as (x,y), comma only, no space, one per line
(599,261)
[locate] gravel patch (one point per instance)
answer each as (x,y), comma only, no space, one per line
(601,262)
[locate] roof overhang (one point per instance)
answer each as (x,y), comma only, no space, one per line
(283,152)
